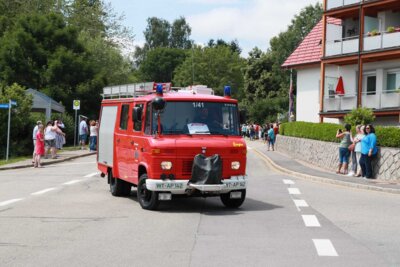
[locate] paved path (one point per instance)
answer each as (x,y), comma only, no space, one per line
(288,165)
(61,157)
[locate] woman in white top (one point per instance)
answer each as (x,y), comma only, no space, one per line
(357,140)
(50,135)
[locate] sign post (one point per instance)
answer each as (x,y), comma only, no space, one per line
(76,104)
(9,105)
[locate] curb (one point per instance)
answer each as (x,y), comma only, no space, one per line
(324,180)
(47,163)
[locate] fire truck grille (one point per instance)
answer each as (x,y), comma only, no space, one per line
(187,167)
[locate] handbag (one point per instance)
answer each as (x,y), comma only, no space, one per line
(351,147)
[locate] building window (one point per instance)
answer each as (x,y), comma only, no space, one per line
(392,82)
(371,85)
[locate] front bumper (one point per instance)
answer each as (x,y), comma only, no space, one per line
(182,186)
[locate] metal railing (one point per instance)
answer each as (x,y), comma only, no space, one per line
(132,90)
(381,40)
(340,102)
(382,100)
(346,45)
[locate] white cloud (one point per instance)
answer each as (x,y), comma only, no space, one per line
(253,24)
(210,2)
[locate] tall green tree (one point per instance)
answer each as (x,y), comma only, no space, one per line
(180,34)
(157,33)
(212,66)
(160,64)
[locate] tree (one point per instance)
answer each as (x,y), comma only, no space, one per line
(212,66)
(360,116)
(160,64)
(157,33)
(21,121)
(233,45)
(180,34)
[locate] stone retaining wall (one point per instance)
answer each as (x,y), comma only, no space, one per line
(326,155)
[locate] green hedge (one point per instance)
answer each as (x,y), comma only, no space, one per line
(387,136)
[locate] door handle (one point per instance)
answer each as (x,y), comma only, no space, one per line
(132,142)
(118,140)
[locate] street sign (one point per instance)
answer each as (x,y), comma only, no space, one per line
(76,104)
(13,103)
(5,106)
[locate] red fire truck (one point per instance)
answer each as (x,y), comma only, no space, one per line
(169,142)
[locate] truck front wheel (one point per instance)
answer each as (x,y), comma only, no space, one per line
(233,202)
(148,200)
(118,187)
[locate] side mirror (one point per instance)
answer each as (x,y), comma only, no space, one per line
(158,103)
(137,114)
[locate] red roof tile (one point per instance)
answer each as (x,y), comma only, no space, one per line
(309,50)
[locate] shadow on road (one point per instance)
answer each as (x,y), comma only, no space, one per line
(210,206)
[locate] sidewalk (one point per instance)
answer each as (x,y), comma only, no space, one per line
(293,167)
(61,157)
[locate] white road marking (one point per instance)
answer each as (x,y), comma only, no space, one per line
(285,181)
(325,247)
(43,191)
(91,175)
(72,182)
(4,203)
(249,148)
(311,221)
(300,203)
(77,163)
(294,191)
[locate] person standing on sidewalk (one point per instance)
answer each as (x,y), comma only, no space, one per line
(39,148)
(93,135)
(357,150)
(344,152)
(369,151)
(83,131)
(34,132)
(271,138)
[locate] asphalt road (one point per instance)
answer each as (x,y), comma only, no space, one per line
(64,215)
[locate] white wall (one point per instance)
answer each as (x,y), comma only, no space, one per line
(307,99)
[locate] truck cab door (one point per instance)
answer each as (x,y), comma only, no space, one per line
(137,141)
(121,143)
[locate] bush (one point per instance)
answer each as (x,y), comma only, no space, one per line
(360,116)
(387,136)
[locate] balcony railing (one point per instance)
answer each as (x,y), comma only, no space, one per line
(346,45)
(382,40)
(330,4)
(340,102)
(385,99)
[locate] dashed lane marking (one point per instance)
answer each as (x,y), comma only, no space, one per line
(91,175)
(72,182)
(294,191)
(7,202)
(311,221)
(325,247)
(300,203)
(287,181)
(43,191)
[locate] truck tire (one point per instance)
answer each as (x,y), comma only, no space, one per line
(118,187)
(148,200)
(233,203)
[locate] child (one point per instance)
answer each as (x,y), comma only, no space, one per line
(39,147)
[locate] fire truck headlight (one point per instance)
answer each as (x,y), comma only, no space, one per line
(166,165)
(235,165)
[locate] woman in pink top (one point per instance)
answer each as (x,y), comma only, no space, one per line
(39,151)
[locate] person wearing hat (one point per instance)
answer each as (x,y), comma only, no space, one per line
(34,133)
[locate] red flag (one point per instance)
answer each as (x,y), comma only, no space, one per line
(340,87)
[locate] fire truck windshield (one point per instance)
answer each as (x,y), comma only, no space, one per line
(212,118)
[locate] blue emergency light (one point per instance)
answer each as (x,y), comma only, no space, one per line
(159,89)
(227,90)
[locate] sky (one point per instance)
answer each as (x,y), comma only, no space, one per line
(252,22)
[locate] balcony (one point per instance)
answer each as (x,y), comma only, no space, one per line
(343,46)
(382,40)
(383,100)
(330,4)
(340,102)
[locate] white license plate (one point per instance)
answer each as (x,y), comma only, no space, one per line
(235,195)
(169,186)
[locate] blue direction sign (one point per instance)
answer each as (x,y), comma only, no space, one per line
(13,103)
(3,106)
